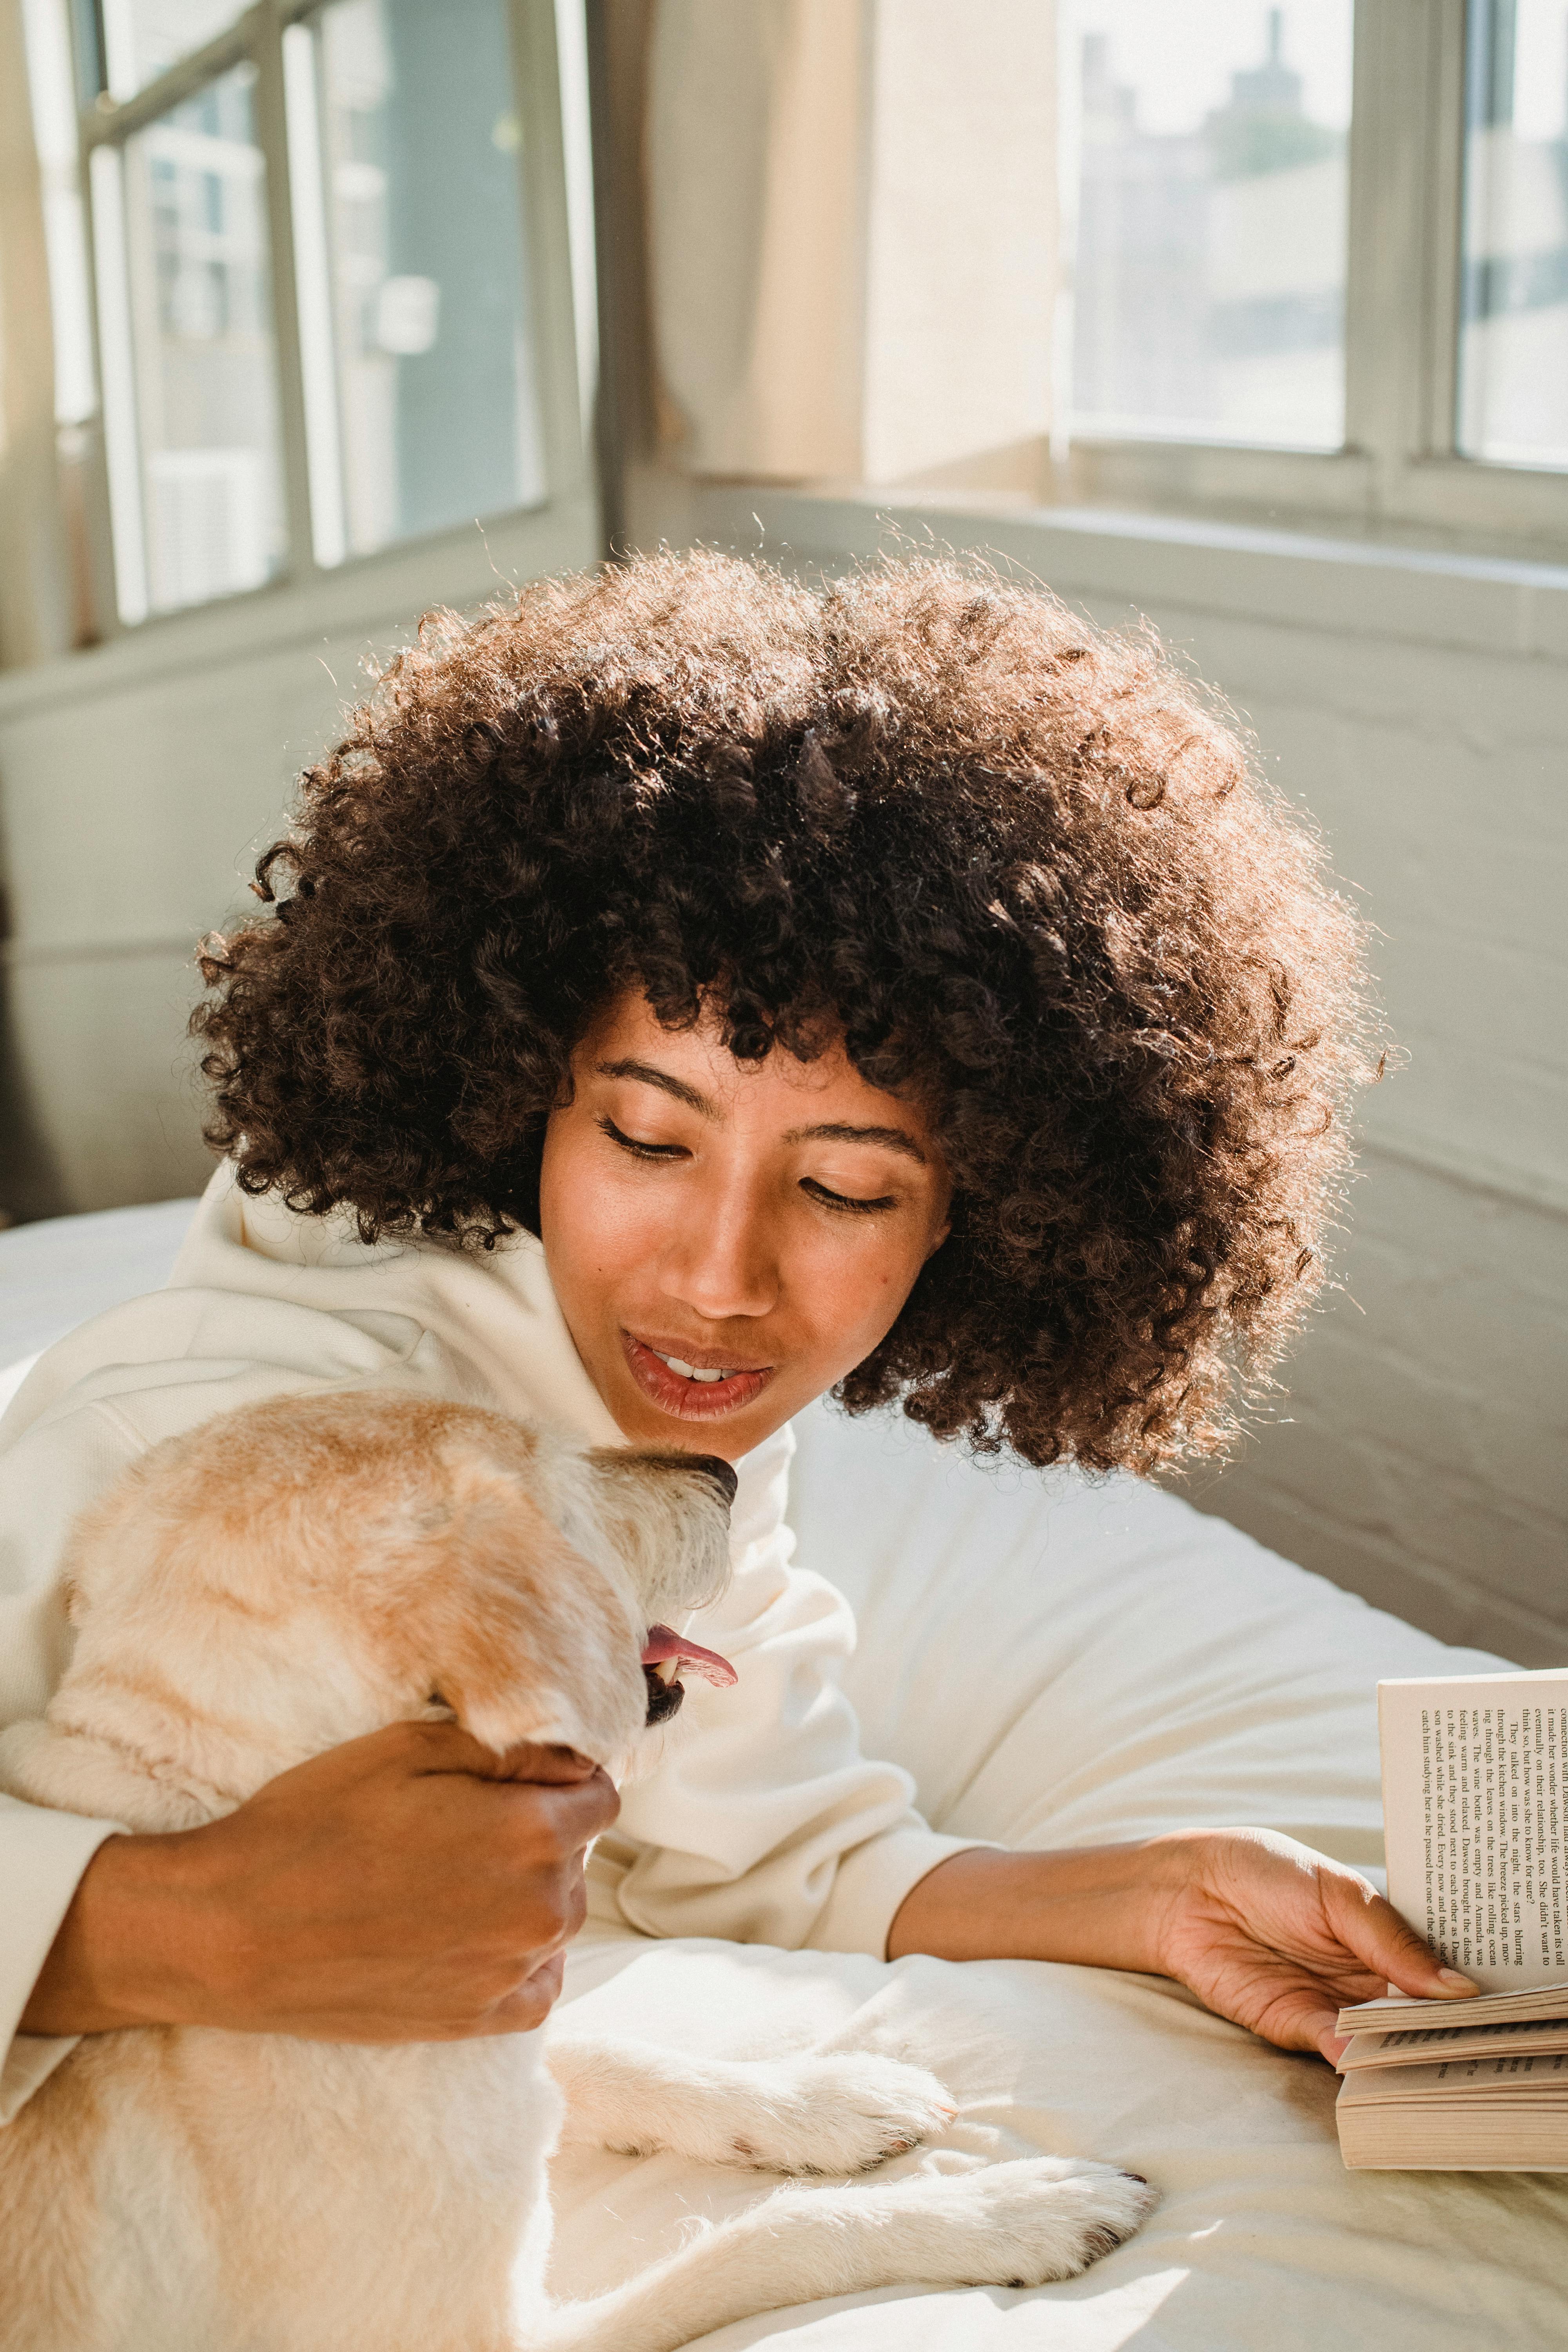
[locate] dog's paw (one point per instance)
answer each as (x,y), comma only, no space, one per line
(1023,2223)
(832,2114)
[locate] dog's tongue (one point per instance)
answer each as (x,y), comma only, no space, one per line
(662,1645)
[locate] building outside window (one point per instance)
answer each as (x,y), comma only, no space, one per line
(1209,261)
(325,240)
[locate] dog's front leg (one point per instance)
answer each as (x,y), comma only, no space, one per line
(1003,2224)
(839,2114)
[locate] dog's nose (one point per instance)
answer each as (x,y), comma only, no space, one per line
(714,1467)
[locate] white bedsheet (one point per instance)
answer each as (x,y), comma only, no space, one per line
(1055,1662)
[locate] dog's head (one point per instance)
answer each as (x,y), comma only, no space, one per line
(293,1574)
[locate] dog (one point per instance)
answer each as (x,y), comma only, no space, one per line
(288,1577)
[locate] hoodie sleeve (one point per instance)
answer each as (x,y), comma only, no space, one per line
(163,1365)
(44,1483)
(759,1820)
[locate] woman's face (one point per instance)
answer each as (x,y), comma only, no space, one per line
(727,1240)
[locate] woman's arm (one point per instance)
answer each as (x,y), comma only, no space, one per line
(1265,1931)
(410,1887)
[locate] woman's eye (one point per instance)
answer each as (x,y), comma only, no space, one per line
(831,1200)
(638,1150)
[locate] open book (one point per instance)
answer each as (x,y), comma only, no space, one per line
(1475,1802)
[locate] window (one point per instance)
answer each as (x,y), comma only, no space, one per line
(1513,362)
(1286,305)
(195,457)
(420,382)
(324,238)
(1210,247)
(141,38)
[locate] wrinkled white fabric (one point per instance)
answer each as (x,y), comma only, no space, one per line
(759,1817)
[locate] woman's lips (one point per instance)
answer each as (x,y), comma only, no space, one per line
(688,1399)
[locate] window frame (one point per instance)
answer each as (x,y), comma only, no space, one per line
(1400,472)
(558,244)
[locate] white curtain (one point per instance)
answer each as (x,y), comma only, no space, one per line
(852,236)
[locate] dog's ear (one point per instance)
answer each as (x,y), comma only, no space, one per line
(523,1638)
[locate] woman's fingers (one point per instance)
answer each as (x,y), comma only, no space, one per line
(1372,1929)
(1290,2007)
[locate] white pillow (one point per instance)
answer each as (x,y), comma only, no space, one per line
(1059,1660)
(63,1271)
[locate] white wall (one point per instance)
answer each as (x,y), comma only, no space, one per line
(138,782)
(1417,705)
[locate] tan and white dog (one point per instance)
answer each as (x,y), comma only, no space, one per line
(286,1578)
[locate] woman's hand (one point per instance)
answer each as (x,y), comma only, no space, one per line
(1280,1939)
(408,1886)
(1265,1931)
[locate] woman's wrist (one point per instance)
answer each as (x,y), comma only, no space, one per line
(1099,1907)
(116,1959)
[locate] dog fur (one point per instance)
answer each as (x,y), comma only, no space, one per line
(282,1580)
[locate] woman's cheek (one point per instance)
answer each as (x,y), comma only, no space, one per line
(860,1283)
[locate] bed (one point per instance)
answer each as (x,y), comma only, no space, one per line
(1103,1661)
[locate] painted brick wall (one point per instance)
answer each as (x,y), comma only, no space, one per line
(1422,1455)
(1419,1457)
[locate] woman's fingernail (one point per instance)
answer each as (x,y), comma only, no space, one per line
(1456,1982)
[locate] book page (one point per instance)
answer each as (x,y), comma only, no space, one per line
(1522,2081)
(1475,1782)
(1412,2044)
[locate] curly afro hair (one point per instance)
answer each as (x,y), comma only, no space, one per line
(1018,866)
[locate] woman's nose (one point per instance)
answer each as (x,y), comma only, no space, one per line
(720,1262)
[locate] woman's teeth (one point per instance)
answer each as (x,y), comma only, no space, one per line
(688,1371)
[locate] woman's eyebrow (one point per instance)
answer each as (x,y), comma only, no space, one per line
(648,1075)
(892,1138)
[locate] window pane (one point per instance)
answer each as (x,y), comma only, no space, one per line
(140,38)
(203,369)
(1210,253)
(420,385)
(1513,348)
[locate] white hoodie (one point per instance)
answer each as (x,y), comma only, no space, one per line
(761,1822)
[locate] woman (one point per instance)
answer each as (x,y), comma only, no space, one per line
(689,995)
